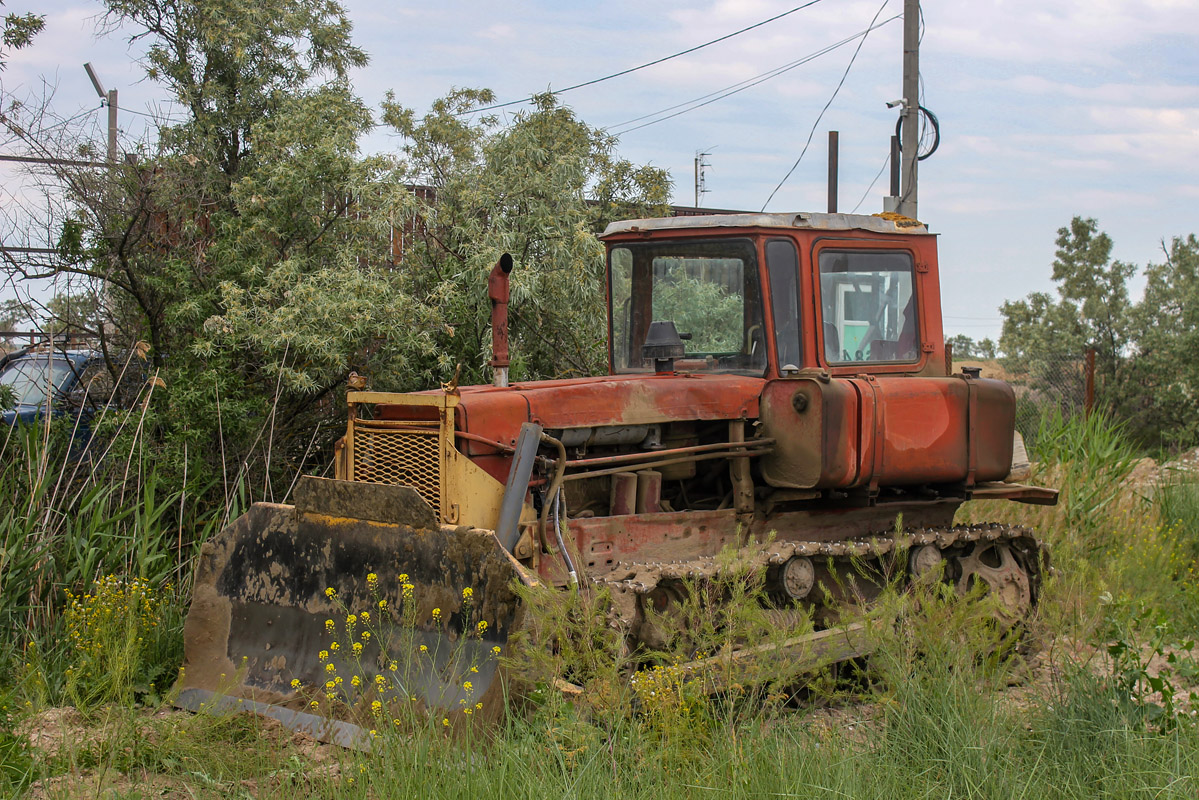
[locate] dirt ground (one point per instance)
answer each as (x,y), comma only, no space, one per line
(64,736)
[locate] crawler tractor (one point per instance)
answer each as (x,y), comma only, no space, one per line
(777,383)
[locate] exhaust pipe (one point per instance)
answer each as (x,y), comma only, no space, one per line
(497,290)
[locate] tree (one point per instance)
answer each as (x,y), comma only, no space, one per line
(520,188)
(1165,368)
(256,249)
(1099,286)
(965,347)
(19,30)
(1046,338)
(257,186)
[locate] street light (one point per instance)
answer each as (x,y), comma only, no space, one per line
(108,98)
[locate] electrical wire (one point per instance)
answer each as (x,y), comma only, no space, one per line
(820,116)
(886,161)
(748,83)
(155,118)
(649,63)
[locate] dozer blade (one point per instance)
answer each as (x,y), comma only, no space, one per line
(265,629)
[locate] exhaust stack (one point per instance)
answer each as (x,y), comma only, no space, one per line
(497,290)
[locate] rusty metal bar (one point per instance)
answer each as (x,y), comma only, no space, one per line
(895,166)
(832,171)
(474,437)
(750,452)
(633,457)
(743,484)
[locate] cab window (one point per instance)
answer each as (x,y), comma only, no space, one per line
(868,301)
(707,288)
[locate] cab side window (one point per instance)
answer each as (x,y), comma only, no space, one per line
(868,301)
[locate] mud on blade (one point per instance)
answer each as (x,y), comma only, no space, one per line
(264,625)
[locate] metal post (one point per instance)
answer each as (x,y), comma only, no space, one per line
(112,125)
(697,180)
(1090,368)
(911,106)
(895,156)
(108,98)
(832,172)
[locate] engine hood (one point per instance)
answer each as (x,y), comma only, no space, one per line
(497,413)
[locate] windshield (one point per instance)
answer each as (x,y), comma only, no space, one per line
(708,289)
(30,378)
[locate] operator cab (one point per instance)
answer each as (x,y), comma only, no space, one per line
(773,294)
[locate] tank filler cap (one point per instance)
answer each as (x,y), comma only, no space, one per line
(972,372)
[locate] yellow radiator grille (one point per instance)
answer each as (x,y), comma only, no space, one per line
(404,453)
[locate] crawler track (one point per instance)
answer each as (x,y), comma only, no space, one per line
(1008,559)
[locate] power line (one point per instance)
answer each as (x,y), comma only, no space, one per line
(866,193)
(748,83)
(66,121)
(820,116)
(649,63)
(154,117)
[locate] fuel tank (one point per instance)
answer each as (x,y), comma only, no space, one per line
(886,431)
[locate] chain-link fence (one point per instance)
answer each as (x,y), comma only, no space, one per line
(1048,382)
(1042,384)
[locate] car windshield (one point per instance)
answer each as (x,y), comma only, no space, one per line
(707,288)
(30,378)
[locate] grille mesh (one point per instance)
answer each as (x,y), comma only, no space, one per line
(400,453)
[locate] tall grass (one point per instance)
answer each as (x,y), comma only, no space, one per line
(74,521)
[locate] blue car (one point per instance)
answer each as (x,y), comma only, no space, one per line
(42,379)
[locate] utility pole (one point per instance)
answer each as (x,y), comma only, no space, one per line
(911,106)
(700,185)
(108,98)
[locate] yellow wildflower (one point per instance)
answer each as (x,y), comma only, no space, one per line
(467,593)
(295,683)
(436,613)
(355,681)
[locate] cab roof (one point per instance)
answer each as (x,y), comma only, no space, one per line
(878,223)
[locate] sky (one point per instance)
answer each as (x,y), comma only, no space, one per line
(1047,109)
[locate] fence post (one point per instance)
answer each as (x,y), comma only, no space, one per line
(1090,369)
